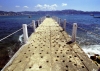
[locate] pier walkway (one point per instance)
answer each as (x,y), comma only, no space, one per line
(48,49)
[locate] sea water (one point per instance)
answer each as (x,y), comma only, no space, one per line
(90,43)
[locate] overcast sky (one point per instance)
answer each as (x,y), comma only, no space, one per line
(44,5)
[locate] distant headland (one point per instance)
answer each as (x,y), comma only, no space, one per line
(11,13)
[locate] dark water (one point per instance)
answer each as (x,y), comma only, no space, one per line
(90,42)
(9,24)
(83,21)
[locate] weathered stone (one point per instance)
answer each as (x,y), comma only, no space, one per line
(99,69)
(93,57)
(96,54)
(98,59)
(87,43)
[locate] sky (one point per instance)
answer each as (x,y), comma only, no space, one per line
(49,5)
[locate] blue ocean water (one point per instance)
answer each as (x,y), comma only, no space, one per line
(9,24)
(88,41)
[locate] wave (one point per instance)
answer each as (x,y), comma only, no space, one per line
(90,50)
(21,38)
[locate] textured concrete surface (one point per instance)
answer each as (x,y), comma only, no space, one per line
(48,49)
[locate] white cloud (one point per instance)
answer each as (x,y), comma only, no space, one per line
(54,5)
(17,6)
(46,7)
(39,6)
(64,4)
(26,7)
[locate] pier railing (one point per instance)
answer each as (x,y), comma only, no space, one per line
(58,20)
(12,42)
(34,25)
(85,35)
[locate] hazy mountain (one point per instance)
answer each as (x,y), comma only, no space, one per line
(49,12)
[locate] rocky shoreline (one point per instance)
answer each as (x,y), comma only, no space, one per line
(7,50)
(96,59)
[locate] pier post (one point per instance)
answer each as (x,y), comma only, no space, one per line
(74,32)
(64,24)
(34,26)
(59,21)
(41,20)
(54,18)
(25,33)
(38,23)
(44,17)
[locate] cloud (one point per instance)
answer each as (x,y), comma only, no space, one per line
(54,5)
(38,6)
(46,7)
(17,6)
(64,4)
(26,7)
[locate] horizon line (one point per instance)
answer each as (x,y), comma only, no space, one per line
(51,10)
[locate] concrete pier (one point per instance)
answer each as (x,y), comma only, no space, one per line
(50,48)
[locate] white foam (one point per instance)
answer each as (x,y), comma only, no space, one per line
(92,36)
(91,49)
(97,28)
(20,38)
